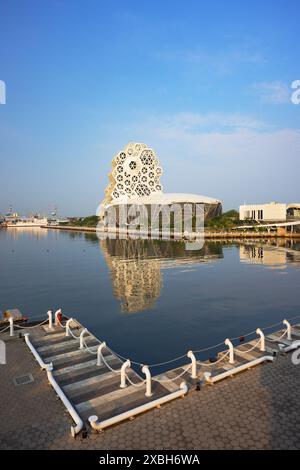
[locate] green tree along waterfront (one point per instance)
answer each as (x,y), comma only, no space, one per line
(227,220)
(90,221)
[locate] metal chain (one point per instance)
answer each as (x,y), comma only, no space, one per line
(150,365)
(176,358)
(210,347)
(243,336)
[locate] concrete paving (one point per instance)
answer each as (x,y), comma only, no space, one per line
(258,409)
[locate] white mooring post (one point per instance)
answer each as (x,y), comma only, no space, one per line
(81,345)
(68,326)
(11,326)
(123,373)
(262,339)
(192,357)
(231,350)
(56,316)
(146,371)
(99,353)
(49,313)
(288,329)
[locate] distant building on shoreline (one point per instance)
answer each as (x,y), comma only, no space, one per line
(270,212)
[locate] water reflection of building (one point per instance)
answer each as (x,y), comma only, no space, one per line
(136,265)
(279,254)
(33,232)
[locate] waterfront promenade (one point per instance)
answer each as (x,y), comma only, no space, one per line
(257,409)
(209,233)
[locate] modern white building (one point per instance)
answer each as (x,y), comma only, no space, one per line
(135,180)
(270,212)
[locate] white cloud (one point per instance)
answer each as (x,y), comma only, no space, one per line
(273,92)
(191,122)
(224,61)
(242,160)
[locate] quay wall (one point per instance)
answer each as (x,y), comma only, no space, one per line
(207,233)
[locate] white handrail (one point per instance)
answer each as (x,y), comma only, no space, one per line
(262,339)
(231,350)
(79,423)
(288,329)
(99,425)
(58,312)
(192,357)
(208,376)
(146,371)
(68,326)
(99,353)
(44,365)
(11,326)
(81,343)
(123,373)
(49,313)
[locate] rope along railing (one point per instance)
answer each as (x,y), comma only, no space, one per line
(277,339)
(4,329)
(172,379)
(116,371)
(210,364)
(246,351)
(197,351)
(135,384)
(101,359)
(29,327)
(89,349)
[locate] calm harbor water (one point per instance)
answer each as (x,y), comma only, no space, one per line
(150,300)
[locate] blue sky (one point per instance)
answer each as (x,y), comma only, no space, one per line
(205,84)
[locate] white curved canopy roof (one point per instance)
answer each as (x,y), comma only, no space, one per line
(166,198)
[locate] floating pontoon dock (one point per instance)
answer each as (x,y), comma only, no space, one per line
(99,387)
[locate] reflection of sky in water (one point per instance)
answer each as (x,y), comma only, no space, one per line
(151,300)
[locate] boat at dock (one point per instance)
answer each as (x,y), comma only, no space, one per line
(27,222)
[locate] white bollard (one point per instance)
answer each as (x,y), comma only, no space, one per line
(56,316)
(49,313)
(146,371)
(192,357)
(11,326)
(123,373)
(99,353)
(288,329)
(262,339)
(68,326)
(231,350)
(84,331)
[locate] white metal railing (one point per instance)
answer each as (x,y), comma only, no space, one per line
(147,381)
(231,350)
(79,423)
(100,425)
(44,365)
